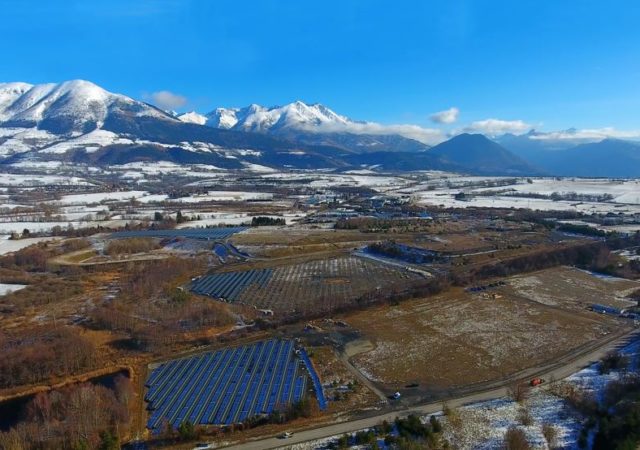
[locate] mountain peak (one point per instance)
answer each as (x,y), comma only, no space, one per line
(480,152)
(297,115)
(69,106)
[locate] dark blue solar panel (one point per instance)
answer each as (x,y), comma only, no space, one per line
(230,285)
(189,233)
(227,386)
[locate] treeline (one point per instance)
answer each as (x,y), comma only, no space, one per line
(554,196)
(585,230)
(37,356)
(370,224)
(591,255)
(84,416)
(261,221)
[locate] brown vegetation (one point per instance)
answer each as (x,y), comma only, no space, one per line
(77,417)
(131,246)
(36,356)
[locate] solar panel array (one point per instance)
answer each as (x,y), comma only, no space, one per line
(189,233)
(320,285)
(230,285)
(227,386)
(317,385)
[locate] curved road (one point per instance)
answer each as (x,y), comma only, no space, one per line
(557,373)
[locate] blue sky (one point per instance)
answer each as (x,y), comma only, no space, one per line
(550,64)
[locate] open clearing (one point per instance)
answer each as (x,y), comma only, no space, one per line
(458,338)
(572,288)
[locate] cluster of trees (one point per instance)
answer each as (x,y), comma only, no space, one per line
(153,310)
(37,356)
(581,229)
(371,225)
(589,255)
(30,259)
(411,434)
(131,246)
(84,416)
(261,221)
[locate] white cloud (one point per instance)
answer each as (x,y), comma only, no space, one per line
(447,116)
(429,136)
(167,100)
(495,127)
(593,134)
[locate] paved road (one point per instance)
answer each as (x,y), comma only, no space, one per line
(558,373)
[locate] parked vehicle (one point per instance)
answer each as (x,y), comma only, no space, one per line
(536,381)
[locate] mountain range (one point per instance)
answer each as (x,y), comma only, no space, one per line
(81,122)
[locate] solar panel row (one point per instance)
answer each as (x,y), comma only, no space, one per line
(227,386)
(190,233)
(317,385)
(230,285)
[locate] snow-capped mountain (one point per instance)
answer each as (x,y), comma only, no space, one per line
(68,107)
(311,124)
(79,121)
(297,116)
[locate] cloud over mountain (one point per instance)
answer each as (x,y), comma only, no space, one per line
(167,100)
(445,117)
(495,127)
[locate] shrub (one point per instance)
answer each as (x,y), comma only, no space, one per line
(524,417)
(550,434)
(515,439)
(613,361)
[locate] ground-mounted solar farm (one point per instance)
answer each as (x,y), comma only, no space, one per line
(320,285)
(186,233)
(231,385)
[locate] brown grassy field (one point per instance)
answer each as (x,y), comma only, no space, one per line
(572,288)
(459,338)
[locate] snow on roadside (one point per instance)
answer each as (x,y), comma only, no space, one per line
(483,425)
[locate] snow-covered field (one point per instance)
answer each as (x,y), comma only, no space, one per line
(441,191)
(97,197)
(379,183)
(225,196)
(21,180)
(227,218)
(483,425)
(9,245)
(8,288)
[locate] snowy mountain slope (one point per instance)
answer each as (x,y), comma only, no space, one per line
(76,106)
(192,117)
(77,121)
(297,115)
(313,124)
